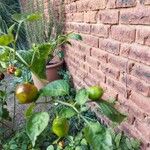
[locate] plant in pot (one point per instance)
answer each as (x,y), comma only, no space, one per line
(38,58)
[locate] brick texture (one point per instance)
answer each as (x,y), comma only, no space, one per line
(114,53)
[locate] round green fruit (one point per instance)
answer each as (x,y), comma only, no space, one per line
(60,127)
(95,93)
(18,73)
(26,93)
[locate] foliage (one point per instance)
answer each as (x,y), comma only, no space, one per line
(86,132)
(51,24)
(36,58)
(7,9)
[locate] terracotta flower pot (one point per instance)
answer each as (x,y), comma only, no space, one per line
(51,74)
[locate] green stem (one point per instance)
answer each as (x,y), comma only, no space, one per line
(69,105)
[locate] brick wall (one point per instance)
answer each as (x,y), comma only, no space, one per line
(115,54)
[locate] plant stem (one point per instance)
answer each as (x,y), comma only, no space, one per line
(69,105)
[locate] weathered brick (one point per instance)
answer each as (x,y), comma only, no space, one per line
(147,2)
(100,30)
(78,17)
(143,128)
(73,7)
(110,46)
(82,5)
(99,54)
(141,72)
(91,40)
(109,17)
(143,36)
(121,3)
(110,71)
(118,62)
(92,62)
(97,74)
(139,16)
(125,3)
(136,84)
(123,33)
(90,16)
(97,4)
(84,28)
(137,53)
(116,85)
(141,101)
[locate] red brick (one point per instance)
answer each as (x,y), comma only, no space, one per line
(78,17)
(143,36)
(141,72)
(97,74)
(67,8)
(134,110)
(109,17)
(90,80)
(68,17)
(121,3)
(91,40)
(110,46)
(141,101)
(123,33)
(84,28)
(118,62)
(116,85)
(137,53)
(92,62)
(136,84)
(90,16)
(139,16)
(125,3)
(73,7)
(109,93)
(110,71)
(143,128)
(82,5)
(111,3)
(99,54)
(96,4)
(147,2)
(83,48)
(100,30)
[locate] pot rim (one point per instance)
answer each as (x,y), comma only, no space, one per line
(55,65)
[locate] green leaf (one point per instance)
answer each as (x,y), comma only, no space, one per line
(55,88)
(6,39)
(2,94)
(34,17)
(107,109)
(67,113)
(51,147)
(4,55)
(98,137)
(29,111)
(75,36)
(4,113)
(36,125)
(81,96)
(35,63)
(27,17)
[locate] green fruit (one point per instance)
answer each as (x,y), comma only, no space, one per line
(18,73)
(95,92)
(26,93)
(60,127)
